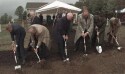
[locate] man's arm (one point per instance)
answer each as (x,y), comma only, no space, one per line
(80,24)
(12,36)
(32,41)
(118,27)
(61,27)
(91,25)
(13,41)
(103,26)
(40,38)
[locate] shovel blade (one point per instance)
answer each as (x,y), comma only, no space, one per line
(119,48)
(99,49)
(18,67)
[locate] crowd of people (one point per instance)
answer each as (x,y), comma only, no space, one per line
(92,30)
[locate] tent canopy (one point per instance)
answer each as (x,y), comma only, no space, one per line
(120,11)
(52,8)
(123,10)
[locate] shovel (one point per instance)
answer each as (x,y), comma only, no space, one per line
(67,59)
(37,56)
(85,48)
(115,38)
(17,67)
(98,47)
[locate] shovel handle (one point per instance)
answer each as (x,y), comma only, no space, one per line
(14,51)
(15,56)
(66,47)
(115,39)
(84,44)
(37,56)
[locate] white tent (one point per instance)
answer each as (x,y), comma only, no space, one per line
(52,7)
(122,11)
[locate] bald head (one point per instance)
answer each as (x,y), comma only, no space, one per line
(69,16)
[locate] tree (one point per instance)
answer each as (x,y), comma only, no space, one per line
(24,15)
(4,19)
(101,6)
(19,12)
(79,4)
(24,18)
(9,18)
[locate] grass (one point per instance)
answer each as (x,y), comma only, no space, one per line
(5,39)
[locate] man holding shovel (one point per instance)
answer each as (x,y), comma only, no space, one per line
(61,33)
(111,32)
(84,29)
(40,41)
(34,20)
(98,32)
(17,33)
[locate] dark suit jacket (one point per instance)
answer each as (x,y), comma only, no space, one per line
(36,20)
(62,27)
(18,33)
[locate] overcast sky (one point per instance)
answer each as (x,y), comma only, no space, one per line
(9,6)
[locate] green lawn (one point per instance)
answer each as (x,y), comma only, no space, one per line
(5,39)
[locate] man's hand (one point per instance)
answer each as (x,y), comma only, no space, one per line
(98,33)
(32,44)
(13,46)
(14,49)
(65,37)
(82,33)
(96,28)
(35,49)
(85,34)
(13,43)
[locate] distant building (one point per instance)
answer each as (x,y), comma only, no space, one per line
(32,6)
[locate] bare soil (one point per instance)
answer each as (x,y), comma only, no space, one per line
(111,61)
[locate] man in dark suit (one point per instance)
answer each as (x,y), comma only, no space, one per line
(41,18)
(34,18)
(61,32)
(98,31)
(17,33)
